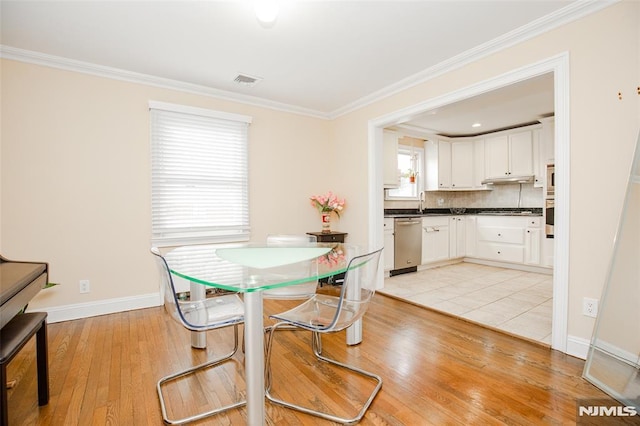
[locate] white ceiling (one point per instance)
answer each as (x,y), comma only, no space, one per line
(511,106)
(320,56)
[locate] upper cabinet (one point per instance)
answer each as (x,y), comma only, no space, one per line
(438,165)
(391,178)
(478,164)
(509,155)
(453,164)
(462,161)
(547,140)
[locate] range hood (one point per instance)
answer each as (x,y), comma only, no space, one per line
(508,179)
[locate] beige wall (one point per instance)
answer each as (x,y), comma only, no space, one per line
(76,177)
(75,161)
(604,59)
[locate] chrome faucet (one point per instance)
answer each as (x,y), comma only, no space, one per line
(421,203)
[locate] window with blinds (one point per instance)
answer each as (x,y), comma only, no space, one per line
(199,176)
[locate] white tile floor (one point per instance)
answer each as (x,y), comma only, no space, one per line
(514,301)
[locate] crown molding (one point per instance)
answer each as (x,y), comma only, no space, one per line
(569,13)
(37,58)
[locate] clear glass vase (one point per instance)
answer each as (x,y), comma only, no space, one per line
(326,222)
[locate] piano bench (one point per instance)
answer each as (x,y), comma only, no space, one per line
(13,336)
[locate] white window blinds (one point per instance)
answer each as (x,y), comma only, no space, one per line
(199,175)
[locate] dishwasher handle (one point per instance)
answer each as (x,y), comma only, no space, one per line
(408,222)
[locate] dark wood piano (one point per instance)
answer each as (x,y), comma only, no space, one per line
(19,283)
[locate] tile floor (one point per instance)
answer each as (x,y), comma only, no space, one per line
(514,301)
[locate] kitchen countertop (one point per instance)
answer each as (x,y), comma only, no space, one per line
(525,211)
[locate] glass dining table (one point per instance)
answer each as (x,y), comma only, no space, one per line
(250,269)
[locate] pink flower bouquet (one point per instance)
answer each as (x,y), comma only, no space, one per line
(328,203)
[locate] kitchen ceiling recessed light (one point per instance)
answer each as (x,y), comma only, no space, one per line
(476,125)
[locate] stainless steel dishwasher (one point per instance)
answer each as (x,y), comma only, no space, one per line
(407,244)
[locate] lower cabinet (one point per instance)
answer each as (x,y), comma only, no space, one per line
(435,239)
(509,239)
(457,234)
(533,241)
(470,236)
(389,241)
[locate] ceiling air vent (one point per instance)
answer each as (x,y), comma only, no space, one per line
(247,80)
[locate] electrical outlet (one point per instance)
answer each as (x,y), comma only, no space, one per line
(84,286)
(590,307)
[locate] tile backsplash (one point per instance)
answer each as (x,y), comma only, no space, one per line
(501,196)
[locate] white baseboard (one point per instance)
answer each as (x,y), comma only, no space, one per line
(577,346)
(101,307)
(518,266)
(622,354)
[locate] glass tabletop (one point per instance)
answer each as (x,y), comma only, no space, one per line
(249,267)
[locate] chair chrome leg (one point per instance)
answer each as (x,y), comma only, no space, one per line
(316,343)
(192,370)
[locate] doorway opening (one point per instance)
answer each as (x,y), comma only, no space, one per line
(557,65)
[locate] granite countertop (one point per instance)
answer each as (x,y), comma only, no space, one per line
(524,211)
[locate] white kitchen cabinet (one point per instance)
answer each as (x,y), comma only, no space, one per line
(389,241)
(496,156)
(391,176)
(533,241)
(521,153)
(546,148)
(438,164)
(462,164)
(539,168)
(457,237)
(451,165)
(478,164)
(470,235)
(547,140)
(501,238)
(509,239)
(509,155)
(435,239)
(444,164)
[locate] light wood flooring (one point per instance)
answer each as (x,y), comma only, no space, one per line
(436,369)
(510,300)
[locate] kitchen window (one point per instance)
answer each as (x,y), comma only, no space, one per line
(199,175)
(410,165)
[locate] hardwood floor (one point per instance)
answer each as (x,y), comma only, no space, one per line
(436,369)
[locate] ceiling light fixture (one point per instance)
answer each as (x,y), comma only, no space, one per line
(266,12)
(476,125)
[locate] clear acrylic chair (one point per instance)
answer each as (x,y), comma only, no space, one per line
(324,313)
(302,269)
(209,314)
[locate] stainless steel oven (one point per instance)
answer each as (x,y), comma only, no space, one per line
(549,207)
(551,181)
